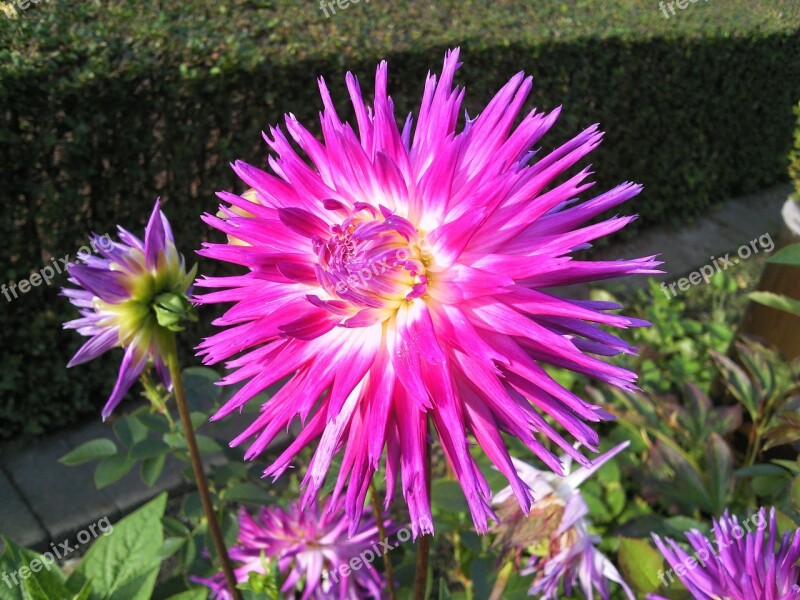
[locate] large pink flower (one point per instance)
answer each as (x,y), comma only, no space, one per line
(397,279)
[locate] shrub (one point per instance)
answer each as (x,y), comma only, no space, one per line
(794,156)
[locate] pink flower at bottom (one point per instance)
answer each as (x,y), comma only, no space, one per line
(309,547)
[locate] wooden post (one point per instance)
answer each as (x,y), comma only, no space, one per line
(779,328)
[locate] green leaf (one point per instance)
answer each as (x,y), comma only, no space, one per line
(719,466)
(155,422)
(640,564)
(112,469)
(789,255)
(198,418)
(738,383)
(201,388)
(777,301)
(207,445)
(130,430)
(760,469)
(795,493)
(89,451)
(149,448)
(248,493)
(193,594)
(45,583)
(444,593)
(124,564)
(172,309)
(171,546)
(447,495)
(152,468)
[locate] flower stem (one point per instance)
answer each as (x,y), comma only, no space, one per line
(387,560)
(197,468)
(502,581)
(424,545)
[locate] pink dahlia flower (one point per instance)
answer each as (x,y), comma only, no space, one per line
(312,548)
(558,528)
(132,295)
(743,561)
(397,276)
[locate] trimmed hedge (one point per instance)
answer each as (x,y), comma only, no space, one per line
(794,156)
(106,105)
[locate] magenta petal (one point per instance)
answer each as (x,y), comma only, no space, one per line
(396,277)
(155,238)
(94,347)
(106,285)
(129,371)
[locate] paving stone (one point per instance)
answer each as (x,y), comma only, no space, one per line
(17,522)
(64,499)
(725,229)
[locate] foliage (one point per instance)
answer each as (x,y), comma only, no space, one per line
(123,564)
(675,349)
(794,156)
(108,104)
(790,255)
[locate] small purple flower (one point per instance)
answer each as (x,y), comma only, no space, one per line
(132,295)
(556,532)
(313,547)
(736,564)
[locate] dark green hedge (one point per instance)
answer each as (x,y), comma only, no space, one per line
(103,106)
(794,156)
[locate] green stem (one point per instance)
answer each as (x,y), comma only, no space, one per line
(754,445)
(197,467)
(502,581)
(424,545)
(387,560)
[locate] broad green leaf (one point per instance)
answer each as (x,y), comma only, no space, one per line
(777,301)
(124,564)
(248,493)
(205,444)
(152,468)
(208,445)
(171,546)
(640,564)
(112,469)
(200,385)
(770,486)
(789,255)
(130,430)
(175,527)
(89,451)
(45,583)
(155,422)
(149,448)
(198,418)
